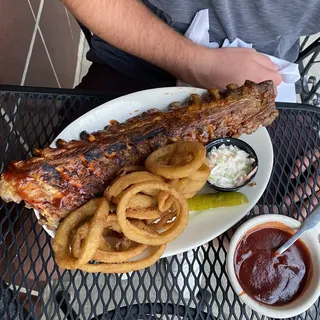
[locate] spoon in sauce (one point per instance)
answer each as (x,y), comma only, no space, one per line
(312,220)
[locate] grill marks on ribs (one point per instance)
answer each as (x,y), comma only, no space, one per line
(60,180)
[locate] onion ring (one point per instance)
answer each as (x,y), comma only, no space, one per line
(206,162)
(119,256)
(144,214)
(82,231)
(201,174)
(138,201)
(105,252)
(60,243)
(185,185)
(189,195)
(95,228)
(80,234)
(124,182)
(165,201)
(133,233)
(103,255)
(127,266)
(155,165)
(163,222)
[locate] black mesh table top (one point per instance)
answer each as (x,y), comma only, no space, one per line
(193,285)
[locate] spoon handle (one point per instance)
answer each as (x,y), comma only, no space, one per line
(311,221)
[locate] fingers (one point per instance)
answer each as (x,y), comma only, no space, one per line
(266,74)
(309,189)
(312,185)
(304,190)
(267,63)
(314,202)
(274,76)
(302,165)
(271,70)
(308,206)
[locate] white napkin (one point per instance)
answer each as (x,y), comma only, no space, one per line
(198,32)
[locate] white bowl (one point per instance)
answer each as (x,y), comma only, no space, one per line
(312,290)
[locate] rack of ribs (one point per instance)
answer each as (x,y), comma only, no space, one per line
(59,180)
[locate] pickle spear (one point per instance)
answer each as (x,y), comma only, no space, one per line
(216,200)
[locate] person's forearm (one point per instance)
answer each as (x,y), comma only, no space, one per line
(130,26)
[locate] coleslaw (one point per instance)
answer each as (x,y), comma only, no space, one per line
(230,166)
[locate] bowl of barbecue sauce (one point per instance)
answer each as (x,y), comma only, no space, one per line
(278,286)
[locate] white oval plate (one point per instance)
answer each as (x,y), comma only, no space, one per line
(203,225)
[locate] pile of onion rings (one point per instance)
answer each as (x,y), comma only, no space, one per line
(82,237)
(185,167)
(143,209)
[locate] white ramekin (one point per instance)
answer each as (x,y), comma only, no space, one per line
(312,291)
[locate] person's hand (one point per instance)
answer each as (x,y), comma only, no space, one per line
(307,192)
(216,68)
(305,198)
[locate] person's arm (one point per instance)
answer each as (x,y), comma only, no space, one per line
(132,27)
